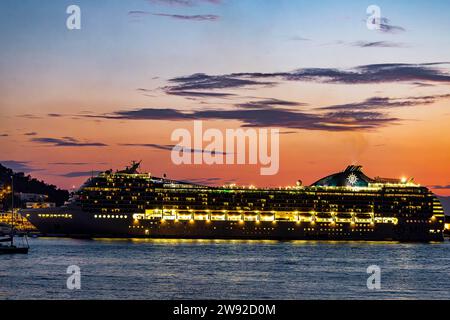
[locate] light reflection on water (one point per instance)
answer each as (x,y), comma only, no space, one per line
(225,269)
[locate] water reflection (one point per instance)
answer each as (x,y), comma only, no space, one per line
(225,269)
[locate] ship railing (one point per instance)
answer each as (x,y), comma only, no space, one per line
(305,217)
(386,220)
(218,217)
(185,217)
(151,214)
(201,216)
(324,219)
(251,216)
(344,220)
(359,220)
(294,216)
(234,217)
(265,217)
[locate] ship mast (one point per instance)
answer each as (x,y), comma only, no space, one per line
(12,209)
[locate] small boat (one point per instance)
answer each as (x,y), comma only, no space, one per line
(12,249)
(7,234)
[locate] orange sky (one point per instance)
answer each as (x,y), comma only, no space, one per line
(53,78)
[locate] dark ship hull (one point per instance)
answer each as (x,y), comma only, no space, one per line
(13,250)
(159,208)
(84,225)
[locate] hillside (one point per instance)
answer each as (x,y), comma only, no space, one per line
(27,184)
(445,201)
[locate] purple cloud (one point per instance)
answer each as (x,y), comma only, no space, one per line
(66,142)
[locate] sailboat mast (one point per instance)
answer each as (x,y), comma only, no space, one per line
(12,204)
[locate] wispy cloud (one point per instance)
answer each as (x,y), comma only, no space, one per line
(270,103)
(374,73)
(171,147)
(66,142)
(199,94)
(378,44)
(195,17)
(267,117)
(423,84)
(30,133)
(366,115)
(385,102)
(387,27)
(440,186)
(19,166)
(201,81)
(73,163)
(4,135)
(29,116)
(78,174)
(146,114)
(138,13)
(298,38)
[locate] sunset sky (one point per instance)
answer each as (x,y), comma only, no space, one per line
(77,101)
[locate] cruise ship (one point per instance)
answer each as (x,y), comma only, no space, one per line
(347,205)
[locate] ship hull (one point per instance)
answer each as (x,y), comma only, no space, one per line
(79,224)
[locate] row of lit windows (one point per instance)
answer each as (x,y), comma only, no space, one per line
(249,213)
(147,183)
(238,219)
(334,226)
(320,206)
(332,231)
(65,216)
(104,216)
(254,194)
